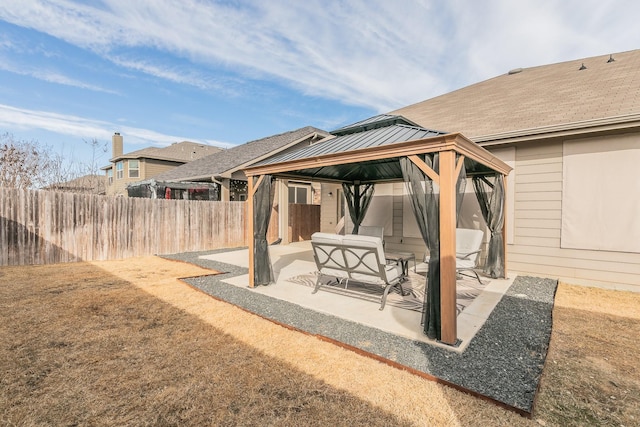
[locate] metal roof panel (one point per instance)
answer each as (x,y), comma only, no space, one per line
(357,141)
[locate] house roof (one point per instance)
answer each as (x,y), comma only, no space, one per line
(537,100)
(232,159)
(91,183)
(182,152)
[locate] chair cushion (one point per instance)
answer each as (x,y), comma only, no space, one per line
(394,271)
(326,238)
(465,263)
(468,241)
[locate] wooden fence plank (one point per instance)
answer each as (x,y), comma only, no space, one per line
(304,220)
(44,227)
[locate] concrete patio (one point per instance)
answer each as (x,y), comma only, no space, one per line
(295,269)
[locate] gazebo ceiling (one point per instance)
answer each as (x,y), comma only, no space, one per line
(371,171)
(381,170)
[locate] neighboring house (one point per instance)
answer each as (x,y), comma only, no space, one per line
(142,164)
(89,184)
(571,131)
(224,168)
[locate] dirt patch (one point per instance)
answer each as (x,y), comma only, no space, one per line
(125,342)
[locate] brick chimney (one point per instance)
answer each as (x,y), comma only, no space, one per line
(116,145)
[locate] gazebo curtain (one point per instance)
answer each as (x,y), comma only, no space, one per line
(491,200)
(262,202)
(358,199)
(425,203)
(461,186)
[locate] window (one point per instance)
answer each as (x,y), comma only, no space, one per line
(298,193)
(120,170)
(109,176)
(237,190)
(600,194)
(134,169)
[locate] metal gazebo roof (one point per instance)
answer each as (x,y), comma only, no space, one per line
(381,170)
(372,155)
(381,120)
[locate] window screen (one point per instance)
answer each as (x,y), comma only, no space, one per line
(120,170)
(134,169)
(298,194)
(601,194)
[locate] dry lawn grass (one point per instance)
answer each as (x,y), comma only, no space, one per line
(125,342)
(592,372)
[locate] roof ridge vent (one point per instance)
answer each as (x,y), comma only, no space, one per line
(515,71)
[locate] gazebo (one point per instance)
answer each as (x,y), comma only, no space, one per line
(385,148)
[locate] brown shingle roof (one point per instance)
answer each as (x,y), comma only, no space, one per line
(184,151)
(94,184)
(537,97)
(227,160)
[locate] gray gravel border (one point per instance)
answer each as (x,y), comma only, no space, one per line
(504,361)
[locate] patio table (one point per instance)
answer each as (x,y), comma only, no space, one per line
(403,259)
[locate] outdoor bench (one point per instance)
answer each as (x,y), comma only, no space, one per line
(358,258)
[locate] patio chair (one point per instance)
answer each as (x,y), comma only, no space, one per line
(468,244)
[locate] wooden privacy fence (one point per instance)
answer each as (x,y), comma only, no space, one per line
(43,227)
(304,220)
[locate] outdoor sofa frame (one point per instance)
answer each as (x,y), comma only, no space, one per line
(357,258)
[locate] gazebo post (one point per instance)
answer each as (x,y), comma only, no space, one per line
(448,179)
(250,228)
(504,223)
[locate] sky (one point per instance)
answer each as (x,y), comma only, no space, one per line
(228,72)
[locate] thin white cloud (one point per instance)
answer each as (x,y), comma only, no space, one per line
(378,54)
(50,76)
(178,74)
(497,36)
(11,52)
(82,128)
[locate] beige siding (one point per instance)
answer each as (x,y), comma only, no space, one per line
(538,221)
(399,241)
(398,189)
(150,168)
(329,208)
